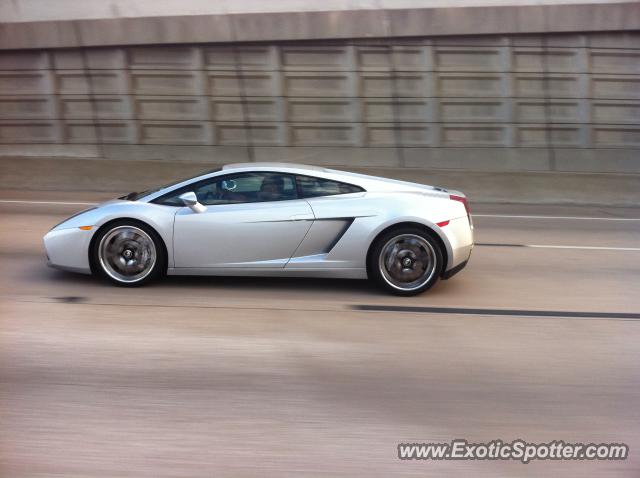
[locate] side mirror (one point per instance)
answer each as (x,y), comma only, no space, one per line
(190,200)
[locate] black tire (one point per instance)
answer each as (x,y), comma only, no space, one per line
(405,260)
(128,253)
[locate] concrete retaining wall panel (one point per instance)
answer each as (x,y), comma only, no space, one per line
(503,102)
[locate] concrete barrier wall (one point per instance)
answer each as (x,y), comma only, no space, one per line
(497,102)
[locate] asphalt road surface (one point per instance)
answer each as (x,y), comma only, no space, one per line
(209,377)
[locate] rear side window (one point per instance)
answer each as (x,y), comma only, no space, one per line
(311,187)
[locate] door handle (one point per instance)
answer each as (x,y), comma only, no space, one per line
(302,217)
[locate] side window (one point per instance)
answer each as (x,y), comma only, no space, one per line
(237,189)
(311,187)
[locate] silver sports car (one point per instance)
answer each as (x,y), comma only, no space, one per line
(273,219)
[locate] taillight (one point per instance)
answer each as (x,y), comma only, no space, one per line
(464,202)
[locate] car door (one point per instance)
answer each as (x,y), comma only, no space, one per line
(248,223)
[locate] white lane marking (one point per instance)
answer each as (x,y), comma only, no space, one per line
(507,216)
(596,248)
(57,203)
(554,246)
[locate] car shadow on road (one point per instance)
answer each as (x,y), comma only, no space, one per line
(218,284)
(275,284)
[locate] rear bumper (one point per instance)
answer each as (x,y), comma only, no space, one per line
(459,233)
(454,270)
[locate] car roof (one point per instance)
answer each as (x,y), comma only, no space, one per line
(301,167)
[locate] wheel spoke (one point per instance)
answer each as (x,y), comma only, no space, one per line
(391,256)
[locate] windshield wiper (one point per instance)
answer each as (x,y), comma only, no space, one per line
(130,197)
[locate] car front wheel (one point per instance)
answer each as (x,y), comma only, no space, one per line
(406,261)
(128,253)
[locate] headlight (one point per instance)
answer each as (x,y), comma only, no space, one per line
(75,215)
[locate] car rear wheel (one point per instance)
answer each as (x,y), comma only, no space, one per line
(406,261)
(128,253)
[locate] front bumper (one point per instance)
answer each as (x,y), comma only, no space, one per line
(68,249)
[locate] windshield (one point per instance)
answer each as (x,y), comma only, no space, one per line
(134,196)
